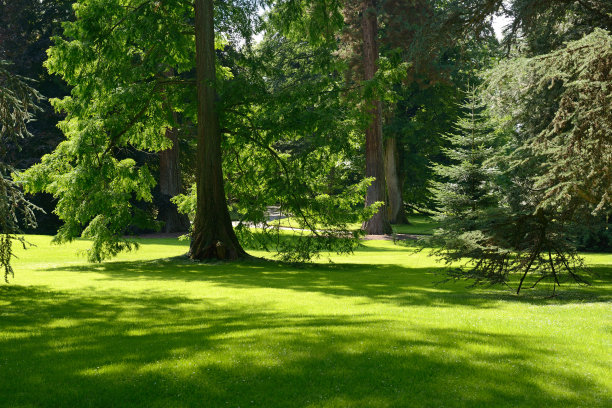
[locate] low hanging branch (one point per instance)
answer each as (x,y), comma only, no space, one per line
(18,102)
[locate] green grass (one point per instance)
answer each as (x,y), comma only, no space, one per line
(419,225)
(153,329)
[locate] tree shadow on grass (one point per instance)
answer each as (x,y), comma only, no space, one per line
(377,282)
(155,350)
(405,284)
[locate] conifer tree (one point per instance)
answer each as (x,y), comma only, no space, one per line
(361,50)
(554,168)
(18,102)
(466,192)
(467,188)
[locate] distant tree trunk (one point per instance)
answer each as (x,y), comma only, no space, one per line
(394,183)
(213,235)
(379,223)
(170,186)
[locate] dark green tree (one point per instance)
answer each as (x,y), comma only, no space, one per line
(361,45)
(26,29)
(560,101)
(466,195)
(468,180)
(565,129)
(541,26)
(18,103)
(555,166)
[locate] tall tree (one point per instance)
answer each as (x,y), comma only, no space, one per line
(213,235)
(379,223)
(418,37)
(404,25)
(114,54)
(361,50)
(555,166)
(170,182)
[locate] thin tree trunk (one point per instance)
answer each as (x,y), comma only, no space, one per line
(394,183)
(213,235)
(379,223)
(170,186)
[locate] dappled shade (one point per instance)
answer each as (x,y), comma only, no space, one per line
(171,332)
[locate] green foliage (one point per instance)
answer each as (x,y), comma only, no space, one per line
(116,63)
(541,26)
(304,161)
(554,167)
(316,21)
(560,101)
(287,132)
(290,145)
(18,102)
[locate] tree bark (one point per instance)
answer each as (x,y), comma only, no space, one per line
(394,184)
(213,236)
(170,186)
(378,224)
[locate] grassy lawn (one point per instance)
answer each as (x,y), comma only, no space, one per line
(153,329)
(419,224)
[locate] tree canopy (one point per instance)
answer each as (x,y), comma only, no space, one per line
(333,102)
(115,56)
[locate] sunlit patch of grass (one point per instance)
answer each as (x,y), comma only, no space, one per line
(153,329)
(418,225)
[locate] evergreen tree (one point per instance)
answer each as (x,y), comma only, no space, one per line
(489,217)
(361,50)
(18,102)
(555,167)
(466,193)
(467,187)
(26,29)
(559,104)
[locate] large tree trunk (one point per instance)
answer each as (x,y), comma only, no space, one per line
(170,186)
(378,224)
(213,235)
(394,184)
